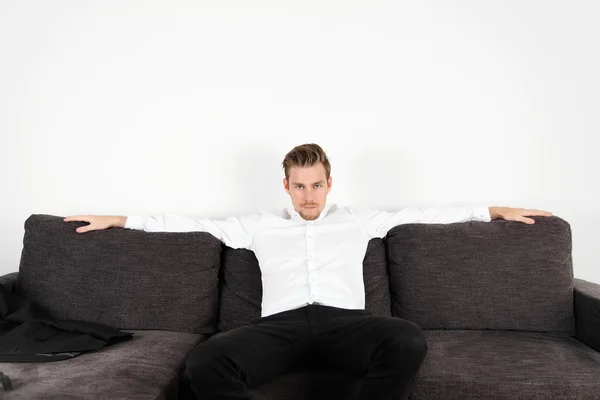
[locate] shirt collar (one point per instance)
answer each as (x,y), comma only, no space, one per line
(294,215)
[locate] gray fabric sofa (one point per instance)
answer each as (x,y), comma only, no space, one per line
(503,315)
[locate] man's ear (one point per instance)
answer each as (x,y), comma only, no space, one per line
(286,185)
(328,184)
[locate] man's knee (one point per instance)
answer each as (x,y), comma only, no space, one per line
(204,362)
(406,339)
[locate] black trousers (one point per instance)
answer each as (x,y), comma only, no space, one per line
(386,351)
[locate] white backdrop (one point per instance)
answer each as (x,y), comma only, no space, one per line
(147,107)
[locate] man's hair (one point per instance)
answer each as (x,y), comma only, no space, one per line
(306,155)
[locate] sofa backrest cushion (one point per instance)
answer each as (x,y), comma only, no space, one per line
(241,285)
(119,277)
(504,275)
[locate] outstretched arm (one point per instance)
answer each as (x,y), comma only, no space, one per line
(378,223)
(235,232)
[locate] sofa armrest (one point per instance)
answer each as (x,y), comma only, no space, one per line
(9,280)
(586,299)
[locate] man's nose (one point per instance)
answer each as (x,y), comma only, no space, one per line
(309,199)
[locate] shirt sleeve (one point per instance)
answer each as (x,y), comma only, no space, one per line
(235,232)
(376,223)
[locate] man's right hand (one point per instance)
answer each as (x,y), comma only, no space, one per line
(97,222)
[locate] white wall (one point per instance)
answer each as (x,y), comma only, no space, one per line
(142,107)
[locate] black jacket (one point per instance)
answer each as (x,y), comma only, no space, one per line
(28,333)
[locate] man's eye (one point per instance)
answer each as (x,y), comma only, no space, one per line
(298,187)
(317,185)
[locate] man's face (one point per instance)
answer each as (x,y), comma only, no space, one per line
(308,188)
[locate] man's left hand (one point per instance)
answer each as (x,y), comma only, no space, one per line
(517,214)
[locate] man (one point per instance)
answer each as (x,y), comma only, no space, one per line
(313,306)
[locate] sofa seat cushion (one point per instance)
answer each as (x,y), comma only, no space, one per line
(507,364)
(145,367)
(469,364)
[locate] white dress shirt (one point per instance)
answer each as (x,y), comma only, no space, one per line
(304,262)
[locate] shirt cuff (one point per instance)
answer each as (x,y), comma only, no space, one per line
(134,222)
(481,213)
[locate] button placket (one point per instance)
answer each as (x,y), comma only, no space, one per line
(309,245)
(310,260)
